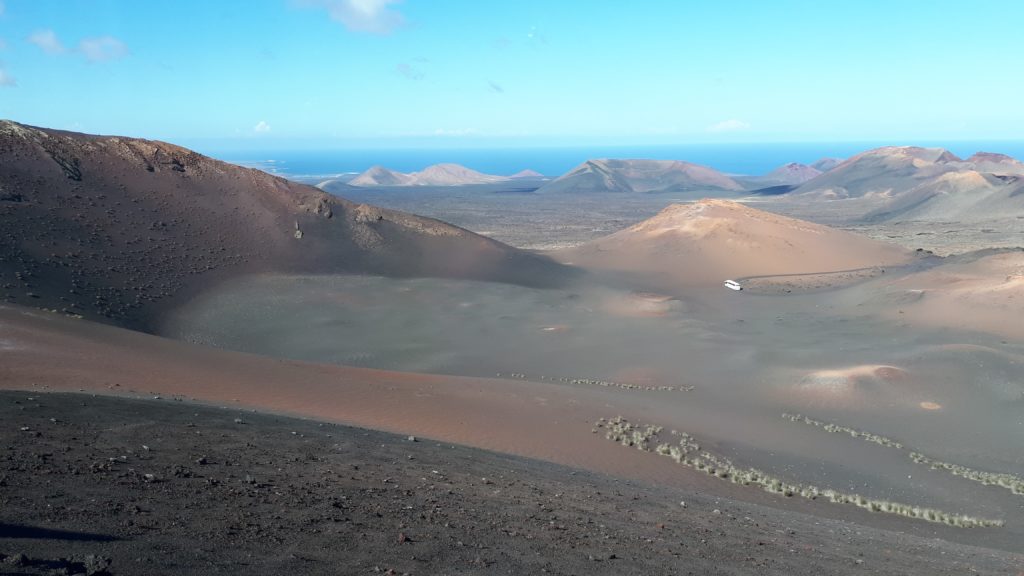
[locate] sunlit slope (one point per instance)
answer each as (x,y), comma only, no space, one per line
(708,241)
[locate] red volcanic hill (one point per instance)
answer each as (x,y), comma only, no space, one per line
(608,175)
(120,229)
(708,241)
(526,174)
(928,184)
(436,175)
(826,164)
(881,172)
(792,173)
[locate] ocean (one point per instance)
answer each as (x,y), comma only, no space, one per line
(747,159)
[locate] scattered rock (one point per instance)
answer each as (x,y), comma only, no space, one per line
(96,565)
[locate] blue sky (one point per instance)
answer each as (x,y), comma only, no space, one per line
(316,73)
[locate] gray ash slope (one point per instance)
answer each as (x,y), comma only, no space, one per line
(898,183)
(118,229)
(157,486)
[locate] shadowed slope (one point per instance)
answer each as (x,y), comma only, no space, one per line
(120,228)
(826,164)
(789,176)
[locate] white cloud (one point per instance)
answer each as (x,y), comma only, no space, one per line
(6,80)
(102,48)
(1,8)
(372,16)
(47,41)
(261,127)
(732,125)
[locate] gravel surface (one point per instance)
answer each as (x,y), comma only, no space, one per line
(97,485)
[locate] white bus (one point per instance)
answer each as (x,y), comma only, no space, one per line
(733,285)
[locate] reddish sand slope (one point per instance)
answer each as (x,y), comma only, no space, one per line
(983,292)
(42,351)
(519,417)
(708,241)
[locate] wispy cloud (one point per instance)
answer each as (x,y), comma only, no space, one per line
(3,44)
(95,49)
(731,125)
(457,132)
(535,36)
(47,41)
(1,8)
(102,48)
(435,133)
(6,80)
(373,16)
(261,127)
(495,87)
(409,71)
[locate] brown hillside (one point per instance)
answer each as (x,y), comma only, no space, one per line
(708,241)
(119,229)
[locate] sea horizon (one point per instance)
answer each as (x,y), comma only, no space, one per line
(751,159)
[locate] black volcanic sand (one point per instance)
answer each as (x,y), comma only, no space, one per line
(93,484)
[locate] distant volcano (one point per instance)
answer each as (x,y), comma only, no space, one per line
(640,176)
(436,175)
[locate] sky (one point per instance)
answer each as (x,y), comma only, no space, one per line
(465,73)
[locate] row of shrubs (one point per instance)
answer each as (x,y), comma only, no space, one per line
(689,453)
(605,383)
(1011,482)
(837,429)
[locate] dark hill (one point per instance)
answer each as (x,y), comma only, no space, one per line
(121,229)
